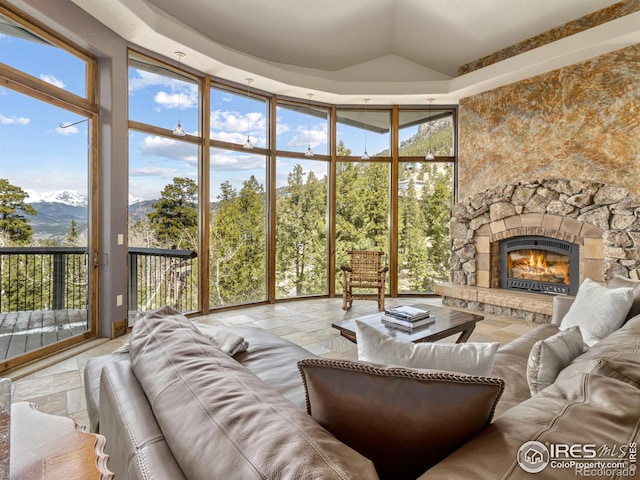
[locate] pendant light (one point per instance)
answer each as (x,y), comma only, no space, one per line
(309,152)
(179,131)
(247,144)
(365,155)
(430,155)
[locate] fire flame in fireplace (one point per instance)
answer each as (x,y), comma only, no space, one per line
(540,263)
(535,267)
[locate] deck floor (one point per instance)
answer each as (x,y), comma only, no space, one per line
(22,332)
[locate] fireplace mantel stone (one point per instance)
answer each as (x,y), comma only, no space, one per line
(604,220)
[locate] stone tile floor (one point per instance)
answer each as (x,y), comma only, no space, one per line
(57,386)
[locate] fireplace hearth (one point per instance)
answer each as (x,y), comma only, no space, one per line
(539,264)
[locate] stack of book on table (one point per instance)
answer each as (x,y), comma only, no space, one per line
(406,318)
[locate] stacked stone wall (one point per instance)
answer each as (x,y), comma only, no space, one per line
(595,215)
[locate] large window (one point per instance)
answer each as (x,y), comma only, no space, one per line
(301,230)
(238,198)
(301,200)
(302,128)
(162,96)
(47,299)
(31,52)
(364,129)
(163,187)
(237,231)
(273,180)
(425,197)
(362,209)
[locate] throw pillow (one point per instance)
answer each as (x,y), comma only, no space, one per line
(551,355)
(404,420)
(225,339)
(618,282)
(598,310)
(470,358)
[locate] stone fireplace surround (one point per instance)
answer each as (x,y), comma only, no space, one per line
(604,220)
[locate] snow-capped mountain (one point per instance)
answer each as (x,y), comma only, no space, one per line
(56,210)
(67,197)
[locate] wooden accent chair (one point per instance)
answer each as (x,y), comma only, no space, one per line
(365,270)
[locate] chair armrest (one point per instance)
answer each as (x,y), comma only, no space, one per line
(344,268)
(561,306)
(383,269)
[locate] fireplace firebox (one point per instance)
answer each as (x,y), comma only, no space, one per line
(539,264)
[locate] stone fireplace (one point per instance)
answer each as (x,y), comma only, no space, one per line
(601,223)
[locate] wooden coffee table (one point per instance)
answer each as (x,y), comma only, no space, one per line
(448,322)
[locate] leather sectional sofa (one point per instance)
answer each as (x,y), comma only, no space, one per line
(152,432)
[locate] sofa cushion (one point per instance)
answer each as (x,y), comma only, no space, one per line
(619,281)
(598,310)
(511,365)
(404,420)
(584,407)
(92,373)
(273,359)
(549,356)
(136,446)
(624,342)
(468,358)
(220,420)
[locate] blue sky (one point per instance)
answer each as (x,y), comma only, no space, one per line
(40,156)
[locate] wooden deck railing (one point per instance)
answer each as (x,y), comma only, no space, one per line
(56,278)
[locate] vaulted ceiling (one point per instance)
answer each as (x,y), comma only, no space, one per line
(392,51)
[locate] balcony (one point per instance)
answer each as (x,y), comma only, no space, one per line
(44,291)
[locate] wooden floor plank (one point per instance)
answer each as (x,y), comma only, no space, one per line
(22,332)
(6,330)
(34,337)
(18,343)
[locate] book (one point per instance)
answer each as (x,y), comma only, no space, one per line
(406,312)
(406,325)
(393,318)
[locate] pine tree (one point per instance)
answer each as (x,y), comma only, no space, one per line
(72,238)
(14,226)
(175,218)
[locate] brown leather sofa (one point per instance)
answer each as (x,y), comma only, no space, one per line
(588,419)
(594,403)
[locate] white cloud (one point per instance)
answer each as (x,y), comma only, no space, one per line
(281,129)
(168,100)
(232,137)
(148,79)
(67,131)
(169,148)
(237,122)
(14,120)
(52,80)
(187,98)
(234,162)
(153,172)
(314,137)
(179,92)
(232,127)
